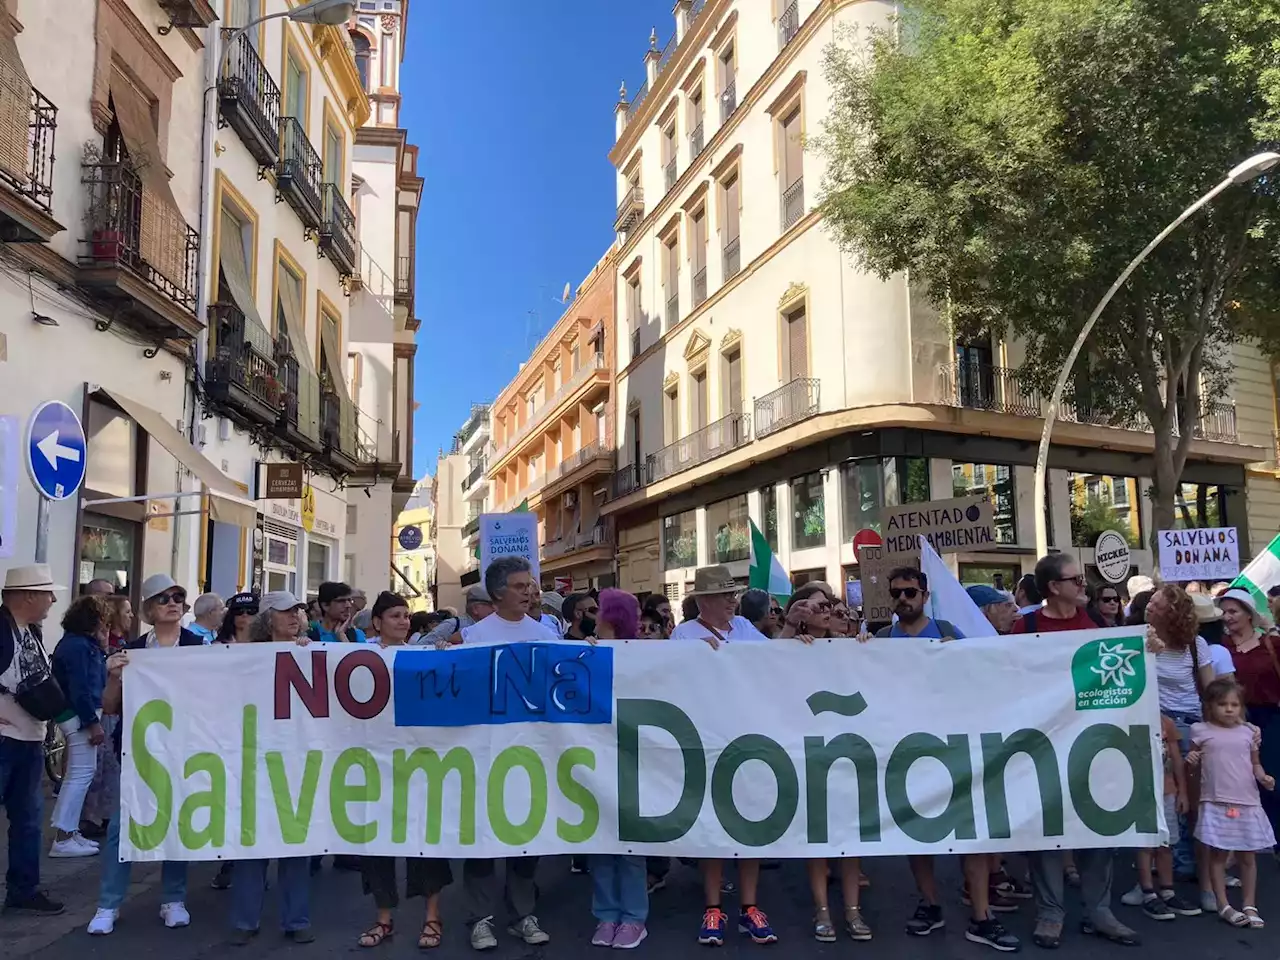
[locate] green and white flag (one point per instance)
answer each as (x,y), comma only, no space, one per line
(766,571)
(1262,573)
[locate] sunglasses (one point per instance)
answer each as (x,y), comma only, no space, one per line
(840,614)
(776,611)
(1078,580)
(175,596)
(821,604)
(909,592)
(1108,599)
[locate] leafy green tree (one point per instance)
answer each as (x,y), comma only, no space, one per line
(1014,155)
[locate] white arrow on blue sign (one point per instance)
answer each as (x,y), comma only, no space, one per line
(56,450)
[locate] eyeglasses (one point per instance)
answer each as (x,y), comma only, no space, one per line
(1108,599)
(1078,580)
(840,614)
(246,611)
(822,604)
(776,611)
(175,596)
(592,610)
(909,592)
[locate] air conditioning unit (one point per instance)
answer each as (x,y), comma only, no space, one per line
(571,499)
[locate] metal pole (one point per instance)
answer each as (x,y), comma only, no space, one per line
(1051,413)
(42,530)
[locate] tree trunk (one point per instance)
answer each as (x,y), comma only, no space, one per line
(1165,479)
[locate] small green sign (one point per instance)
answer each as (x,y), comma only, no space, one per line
(1109,674)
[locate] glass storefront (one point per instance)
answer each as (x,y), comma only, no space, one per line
(106,551)
(318,554)
(769,515)
(730,532)
(995,482)
(1099,503)
(680,540)
(808,512)
(868,485)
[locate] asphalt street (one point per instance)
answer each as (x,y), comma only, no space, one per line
(340,912)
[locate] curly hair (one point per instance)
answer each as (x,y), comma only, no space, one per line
(87,615)
(1175,619)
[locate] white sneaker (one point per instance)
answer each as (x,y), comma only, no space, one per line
(73,846)
(103,922)
(1134,897)
(174,914)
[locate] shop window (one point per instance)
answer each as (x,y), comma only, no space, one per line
(317,563)
(729,530)
(769,515)
(1100,502)
(1198,505)
(869,485)
(808,512)
(1001,576)
(995,482)
(680,540)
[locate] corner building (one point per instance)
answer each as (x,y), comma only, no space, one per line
(762,375)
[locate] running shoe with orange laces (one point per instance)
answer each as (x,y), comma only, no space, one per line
(712,932)
(755,924)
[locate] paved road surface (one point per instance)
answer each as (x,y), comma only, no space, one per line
(340,912)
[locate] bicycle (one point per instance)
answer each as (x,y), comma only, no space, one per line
(55,755)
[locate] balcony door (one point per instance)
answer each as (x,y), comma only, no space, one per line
(241,12)
(795,345)
(975,375)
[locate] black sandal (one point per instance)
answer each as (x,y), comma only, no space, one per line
(374,936)
(432,935)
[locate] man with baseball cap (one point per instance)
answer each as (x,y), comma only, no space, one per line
(478,606)
(25,601)
(337,608)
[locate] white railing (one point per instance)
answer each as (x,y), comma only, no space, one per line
(585,372)
(373,439)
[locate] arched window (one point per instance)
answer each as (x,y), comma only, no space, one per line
(362,57)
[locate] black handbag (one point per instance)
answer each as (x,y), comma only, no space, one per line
(43,699)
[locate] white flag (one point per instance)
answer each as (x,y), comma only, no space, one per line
(948,600)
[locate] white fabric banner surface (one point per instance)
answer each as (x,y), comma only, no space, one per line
(648,747)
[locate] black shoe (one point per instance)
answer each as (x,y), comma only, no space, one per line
(242,938)
(926,919)
(93,831)
(38,903)
(991,933)
(997,902)
(1183,908)
(301,935)
(1157,909)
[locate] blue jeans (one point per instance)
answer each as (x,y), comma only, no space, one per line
(21,769)
(248,888)
(115,873)
(1184,851)
(619,889)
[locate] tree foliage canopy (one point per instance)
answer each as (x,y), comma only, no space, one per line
(1015,155)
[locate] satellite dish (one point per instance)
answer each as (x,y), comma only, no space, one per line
(568,292)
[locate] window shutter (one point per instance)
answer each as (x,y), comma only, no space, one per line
(731,211)
(15,105)
(735,382)
(797,346)
(793,166)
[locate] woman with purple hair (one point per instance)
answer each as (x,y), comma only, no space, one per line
(620,896)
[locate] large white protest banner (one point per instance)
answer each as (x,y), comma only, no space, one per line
(509,534)
(1201,553)
(768,749)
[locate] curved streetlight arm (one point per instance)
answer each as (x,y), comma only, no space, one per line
(239,32)
(1051,413)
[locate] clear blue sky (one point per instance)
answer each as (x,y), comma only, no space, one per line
(511,103)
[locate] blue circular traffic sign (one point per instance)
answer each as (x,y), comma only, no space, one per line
(56,450)
(411,537)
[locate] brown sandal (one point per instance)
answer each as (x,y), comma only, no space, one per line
(432,935)
(374,936)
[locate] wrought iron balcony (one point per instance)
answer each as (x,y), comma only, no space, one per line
(299,173)
(699,288)
(673,310)
(1217,422)
(630,210)
(598,455)
(792,204)
(299,420)
(590,370)
(240,376)
(728,100)
(338,427)
(638,99)
(696,142)
(627,479)
(479,417)
(788,24)
(139,251)
(713,440)
(669,173)
(790,403)
(249,101)
(732,258)
(26,167)
(404,278)
(338,231)
(476,475)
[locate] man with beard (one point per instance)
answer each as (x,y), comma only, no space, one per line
(909,591)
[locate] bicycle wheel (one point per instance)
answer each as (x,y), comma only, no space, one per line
(55,756)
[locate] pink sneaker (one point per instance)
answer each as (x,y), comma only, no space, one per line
(604,935)
(629,936)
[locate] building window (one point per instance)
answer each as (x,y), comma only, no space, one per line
(795,345)
(361,43)
(671,278)
(671,415)
(295,89)
(669,155)
(808,512)
(634,318)
(1198,505)
(769,515)
(317,563)
(727,524)
(999,575)
(731,200)
(728,71)
(333,156)
(698,413)
(242,12)
(633,429)
(732,380)
(1101,503)
(680,540)
(995,482)
(868,485)
(698,256)
(791,169)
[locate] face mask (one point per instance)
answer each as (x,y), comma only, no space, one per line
(588,626)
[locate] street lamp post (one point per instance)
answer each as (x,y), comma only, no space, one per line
(1243,173)
(329,12)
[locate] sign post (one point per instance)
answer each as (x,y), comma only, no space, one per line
(56,453)
(410,537)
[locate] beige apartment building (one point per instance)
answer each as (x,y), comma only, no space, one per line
(552,442)
(762,375)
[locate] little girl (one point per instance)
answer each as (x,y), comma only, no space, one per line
(1231,816)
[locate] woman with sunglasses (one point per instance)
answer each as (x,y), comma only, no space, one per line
(843,623)
(1104,605)
(241,609)
(163,604)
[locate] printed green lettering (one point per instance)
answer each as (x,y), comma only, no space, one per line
(997,751)
(148,836)
(517,834)
(295,819)
(578,794)
(428,762)
(214,800)
(663,828)
(957,819)
(342,793)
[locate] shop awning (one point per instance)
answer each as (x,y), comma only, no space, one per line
(226,503)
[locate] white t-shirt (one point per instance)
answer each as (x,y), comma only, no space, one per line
(1220,657)
(1175,674)
(494,629)
(740,628)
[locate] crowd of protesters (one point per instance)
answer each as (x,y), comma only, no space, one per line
(1217,669)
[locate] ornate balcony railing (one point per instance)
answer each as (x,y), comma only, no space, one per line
(627,479)
(338,230)
(479,417)
(160,248)
(696,141)
(299,173)
(673,310)
(249,101)
(728,100)
(630,210)
(699,288)
(788,24)
(732,258)
(790,403)
(713,440)
(240,374)
(338,426)
(34,138)
(638,99)
(1217,422)
(792,204)
(597,448)
(669,173)
(404,276)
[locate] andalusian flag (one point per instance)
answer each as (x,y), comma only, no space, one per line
(766,571)
(1262,573)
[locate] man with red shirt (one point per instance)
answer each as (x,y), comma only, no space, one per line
(1060,582)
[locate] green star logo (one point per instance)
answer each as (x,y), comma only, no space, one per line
(1109,675)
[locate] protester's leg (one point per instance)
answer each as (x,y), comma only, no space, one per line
(82,763)
(249,881)
(658,867)
(115,874)
(606,901)
(293,874)
(479,890)
(380,877)
(1184,854)
(1248,866)
(1145,858)
(749,882)
(817,870)
(21,769)
(977,874)
(1048,878)
(922,871)
(173,881)
(632,888)
(1218,875)
(521,891)
(426,877)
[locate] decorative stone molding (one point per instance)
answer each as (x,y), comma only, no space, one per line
(731,338)
(795,292)
(698,344)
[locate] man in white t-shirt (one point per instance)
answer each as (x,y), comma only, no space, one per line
(24,603)
(509,581)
